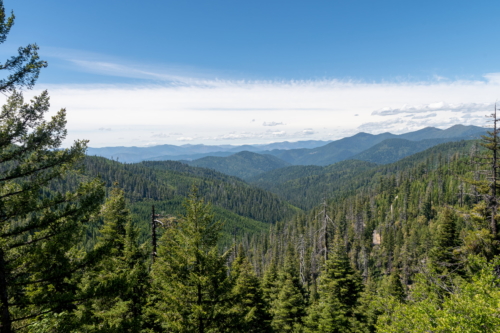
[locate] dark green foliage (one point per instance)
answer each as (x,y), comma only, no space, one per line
(243,165)
(395,287)
(249,309)
(243,208)
(289,305)
(442,256)
(392,150)
(307,186)
(339,291)
(120,282)
(40,230)
(192,287)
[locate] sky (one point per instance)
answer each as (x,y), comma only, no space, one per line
(142,73)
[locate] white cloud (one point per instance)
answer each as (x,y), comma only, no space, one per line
(308,131)
(161,135)
(272,123)
(279,134)
(440,106)
(210,111)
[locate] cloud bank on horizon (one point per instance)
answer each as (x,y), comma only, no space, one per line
(181,109)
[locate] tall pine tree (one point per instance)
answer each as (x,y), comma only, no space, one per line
(339,290)
(249,309)
(190,276)
(120,283)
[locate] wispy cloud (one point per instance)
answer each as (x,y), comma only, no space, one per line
(435,107)
(272,123)
(201,110)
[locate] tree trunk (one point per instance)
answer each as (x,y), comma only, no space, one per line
(6,322)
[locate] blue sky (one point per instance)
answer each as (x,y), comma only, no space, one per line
(222,71)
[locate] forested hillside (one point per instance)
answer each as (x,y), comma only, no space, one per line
(355,246)
(347,148)
(167,184)
(307,186)
(392,150)
(243,165)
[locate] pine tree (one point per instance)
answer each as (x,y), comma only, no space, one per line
(269,284)
(25,67)
(339,291)
(120,281)
(288,309)
(39,229)
(190,276)
(442,255)
(249,310)
(395,287)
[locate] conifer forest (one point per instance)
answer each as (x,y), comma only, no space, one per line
(90,244)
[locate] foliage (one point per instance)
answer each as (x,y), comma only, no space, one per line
(244,164)
(472,307)
(190,277)
(39,229)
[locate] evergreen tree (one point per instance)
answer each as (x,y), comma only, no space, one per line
(39,228)
(25,67)
(442,256)
(395,287)
(269,284)
(339,291)
(121,280)
(288,309)
(249,310)
(190,276)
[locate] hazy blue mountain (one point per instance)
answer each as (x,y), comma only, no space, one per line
(191,152)
(349,147)
(189,157)
(137,154)
(293,145)
(312,152)
(456,131)
(333,152)
(392,150)
(244,164)
(305,186)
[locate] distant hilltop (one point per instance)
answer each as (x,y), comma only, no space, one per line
(311,152)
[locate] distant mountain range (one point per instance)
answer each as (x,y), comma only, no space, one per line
(191,152)
(248,161)
(347,148)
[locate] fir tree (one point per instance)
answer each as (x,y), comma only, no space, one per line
(395,287)
(339,291)
(39,229)
(288,309)
(249,310)
(121,282)
(190,276)
(442,256)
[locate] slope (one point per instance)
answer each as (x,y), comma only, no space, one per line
(347,148)
(243,165)
(392,150)
(307,186)
(167,184)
